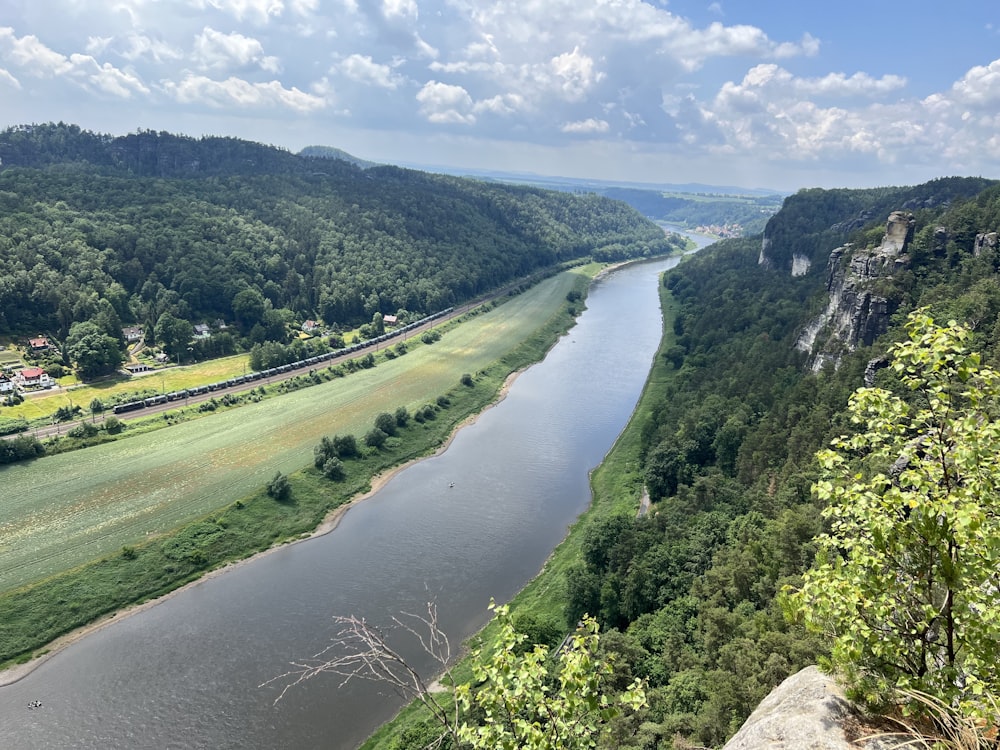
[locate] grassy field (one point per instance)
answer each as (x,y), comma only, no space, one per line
(41,405)
(62,511)
(36,613)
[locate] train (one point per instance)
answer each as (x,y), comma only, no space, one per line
(278,370)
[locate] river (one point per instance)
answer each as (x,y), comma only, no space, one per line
(475,522)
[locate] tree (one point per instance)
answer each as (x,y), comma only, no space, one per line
(248,307)
(375,438)
(386,422)
(906,579)
(523,708)
(173,334)
(333,469)
(95,352)
(279,488)
(515,703)
(96,407)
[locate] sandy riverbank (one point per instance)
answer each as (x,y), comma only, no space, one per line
(20,671)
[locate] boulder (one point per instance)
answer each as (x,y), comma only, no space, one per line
(808,711)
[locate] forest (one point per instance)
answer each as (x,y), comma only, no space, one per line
(165,232)
(689,595)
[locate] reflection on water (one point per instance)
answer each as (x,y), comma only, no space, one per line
(476,522)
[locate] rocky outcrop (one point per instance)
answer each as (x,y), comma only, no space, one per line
(856,313)
(984,242)
(808,711)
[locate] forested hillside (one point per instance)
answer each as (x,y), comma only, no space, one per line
(125,230)
(729,455)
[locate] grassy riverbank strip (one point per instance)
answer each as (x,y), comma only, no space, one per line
(34,615)
(616,486)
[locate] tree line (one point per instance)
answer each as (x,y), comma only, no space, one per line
(166,232)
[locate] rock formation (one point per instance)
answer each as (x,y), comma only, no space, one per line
(808,711)
(856,313)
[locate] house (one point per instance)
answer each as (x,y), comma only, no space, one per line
(390,320)
(6,384)
(39,343)
(135,368)
(33,377)
(310,326)
(132,334)
(221,324)
(202,331)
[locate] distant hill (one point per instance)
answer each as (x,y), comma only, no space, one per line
(329,152)
(724,208)
(125,230)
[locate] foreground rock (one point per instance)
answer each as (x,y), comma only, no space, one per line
(808,711)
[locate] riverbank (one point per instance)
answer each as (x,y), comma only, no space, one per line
(617,487)
(94,596)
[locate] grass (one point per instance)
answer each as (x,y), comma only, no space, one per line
(616,486)
(160,509)
(41,406)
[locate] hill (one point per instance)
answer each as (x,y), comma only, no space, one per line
(122,231)
(689,592)
(329,152)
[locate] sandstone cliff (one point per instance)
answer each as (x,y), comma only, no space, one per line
(808,711)
(856,312)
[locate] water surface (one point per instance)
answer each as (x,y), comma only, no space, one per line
(475,522)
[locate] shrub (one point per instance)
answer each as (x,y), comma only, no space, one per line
(333,469)
(279,488)
(375,438)
(467,380)
(386,422)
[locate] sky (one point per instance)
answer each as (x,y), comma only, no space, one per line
(780,94)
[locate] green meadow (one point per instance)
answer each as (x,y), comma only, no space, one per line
(62,511)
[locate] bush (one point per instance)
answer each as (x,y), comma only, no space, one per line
(279,488)
(467,380)
(113,425)
(375,438)
(386,422)
(333,469)
(83,430)
(402,416)
(346,446)
(443,401)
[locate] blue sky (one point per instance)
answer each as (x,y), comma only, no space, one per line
(782,94)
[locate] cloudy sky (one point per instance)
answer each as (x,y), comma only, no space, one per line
(757,93)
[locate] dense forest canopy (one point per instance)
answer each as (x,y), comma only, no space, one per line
(691,591)
(223,229)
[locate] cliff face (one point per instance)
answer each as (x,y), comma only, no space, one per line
(856,313)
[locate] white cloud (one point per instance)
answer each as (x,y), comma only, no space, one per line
(577,74)
(214,50)
(29,53)
(363,69)
(501,104)
(38,60)
(8,79)
(443,103)
(406,9)
(257,11)
(590,125)
(980,86)
(105,77)
(140,46)
(236,92)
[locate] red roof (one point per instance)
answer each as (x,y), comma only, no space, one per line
(31,373)
(39,343)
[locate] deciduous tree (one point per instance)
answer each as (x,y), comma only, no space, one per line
(906,580)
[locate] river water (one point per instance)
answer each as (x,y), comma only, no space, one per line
(477,521)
